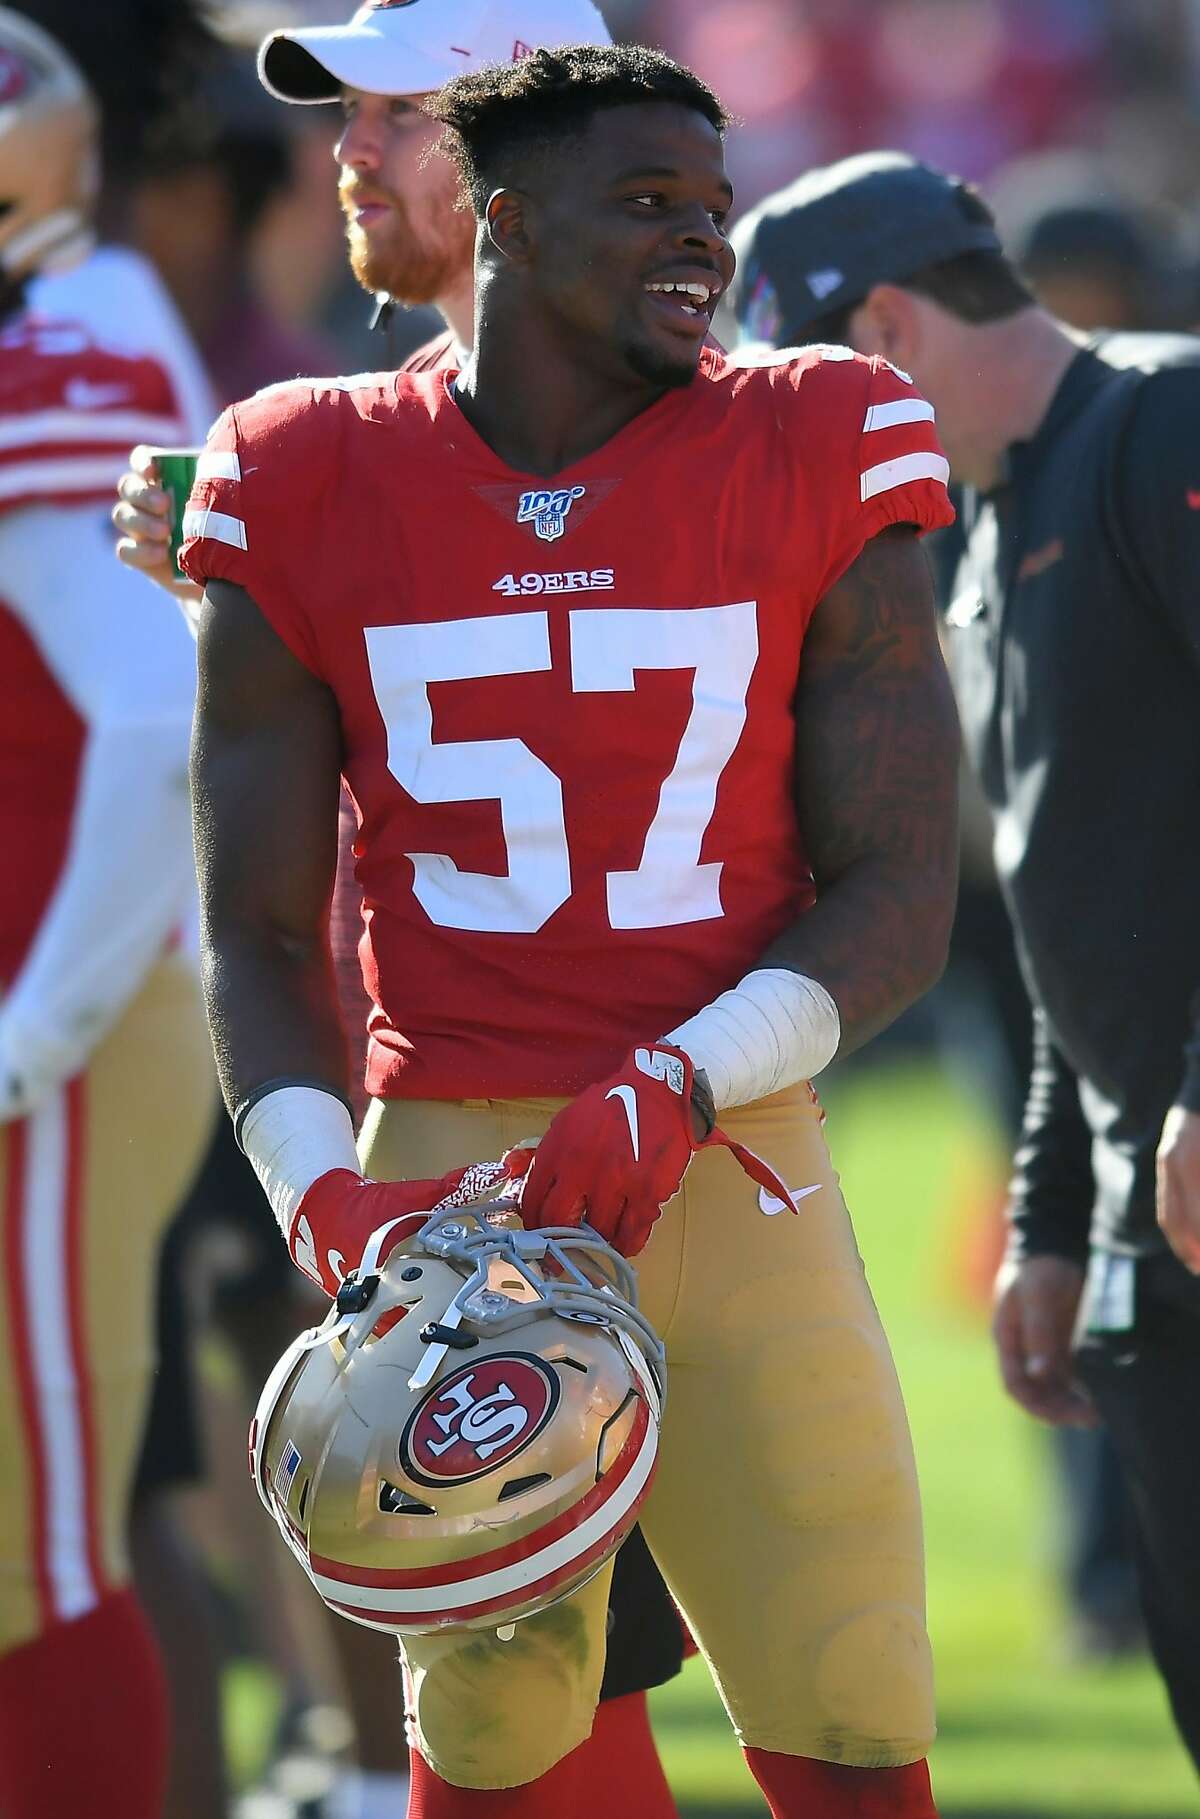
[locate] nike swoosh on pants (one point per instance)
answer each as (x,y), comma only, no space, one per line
(770,1203)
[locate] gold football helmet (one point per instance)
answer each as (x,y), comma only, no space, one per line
(49,154)
(472,1431)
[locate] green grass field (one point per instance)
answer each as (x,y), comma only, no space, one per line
(1023,1736)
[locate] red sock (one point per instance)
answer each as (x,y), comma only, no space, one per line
(616,1772)
(799,1788)
(83,1719)
(622,1772)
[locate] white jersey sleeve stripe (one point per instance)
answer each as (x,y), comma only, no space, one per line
(219,464)
(70,474)
(890,474)
(57,1392)
(41,427)
(899,410)
(219,527)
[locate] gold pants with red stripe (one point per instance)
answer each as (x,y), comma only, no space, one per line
(784,1516)
(87,1186)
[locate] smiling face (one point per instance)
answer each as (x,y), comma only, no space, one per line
(628,249)
(407,235)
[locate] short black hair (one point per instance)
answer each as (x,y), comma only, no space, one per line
(141,59)
(495,117)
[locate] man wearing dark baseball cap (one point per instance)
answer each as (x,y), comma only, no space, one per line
(1074,641)
(816,248)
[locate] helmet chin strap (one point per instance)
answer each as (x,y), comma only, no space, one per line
(431,1363)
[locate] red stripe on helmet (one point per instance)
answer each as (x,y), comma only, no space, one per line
(542,1589)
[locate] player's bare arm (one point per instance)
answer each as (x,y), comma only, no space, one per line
(266,767)
(266,753)
(877,763)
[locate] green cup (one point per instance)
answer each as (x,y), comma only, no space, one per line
(176,476)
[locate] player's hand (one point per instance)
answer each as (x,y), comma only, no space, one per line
(1033,1321)
(142,516)
(341,1211)
(1178,1185)
(619,1152)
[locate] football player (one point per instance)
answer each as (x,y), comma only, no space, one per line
(410,241)
(105,1086)
(632,863)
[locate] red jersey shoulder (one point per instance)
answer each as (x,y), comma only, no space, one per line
(309,420)
(865,437)
(71,409)
(272,464)
(825,384)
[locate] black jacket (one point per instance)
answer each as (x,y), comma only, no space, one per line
(1074,642)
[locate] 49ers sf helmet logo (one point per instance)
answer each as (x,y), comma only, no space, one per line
(478,1419)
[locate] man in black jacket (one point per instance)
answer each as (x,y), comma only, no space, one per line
(1074,641)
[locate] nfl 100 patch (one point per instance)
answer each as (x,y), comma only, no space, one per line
(547,510)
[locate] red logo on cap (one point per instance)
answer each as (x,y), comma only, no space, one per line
(479,1418)
(14,77)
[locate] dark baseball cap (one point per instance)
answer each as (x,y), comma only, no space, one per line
(822,243)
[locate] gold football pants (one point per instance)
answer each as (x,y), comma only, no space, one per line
(785,1515)
(88,1183)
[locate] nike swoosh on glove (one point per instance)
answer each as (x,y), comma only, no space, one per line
(339,1212)
(619,1152)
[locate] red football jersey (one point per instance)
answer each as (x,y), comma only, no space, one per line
(345,909)
(567,706)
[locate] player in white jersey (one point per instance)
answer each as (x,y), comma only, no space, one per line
(105,1086)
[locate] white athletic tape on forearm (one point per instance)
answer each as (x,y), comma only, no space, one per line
(776,1027)
(290,1137)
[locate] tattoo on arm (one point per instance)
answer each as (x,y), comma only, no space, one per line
(877,787)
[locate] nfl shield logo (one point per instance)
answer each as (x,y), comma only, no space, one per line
(547,511)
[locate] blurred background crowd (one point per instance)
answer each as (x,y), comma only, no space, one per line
(1081,121)
(1078,116)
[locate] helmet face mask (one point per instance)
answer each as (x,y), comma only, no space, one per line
(49,153)
(473,1438)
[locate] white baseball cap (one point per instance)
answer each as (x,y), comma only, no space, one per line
(411,47)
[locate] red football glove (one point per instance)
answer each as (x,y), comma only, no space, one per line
(619,1152)
(338,1213)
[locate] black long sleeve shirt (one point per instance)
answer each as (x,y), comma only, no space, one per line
(1074,642)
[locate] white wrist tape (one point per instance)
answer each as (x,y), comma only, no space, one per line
(776,1027)
(290,1137)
